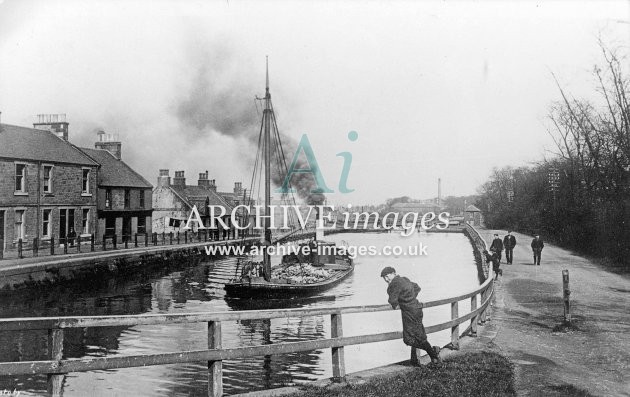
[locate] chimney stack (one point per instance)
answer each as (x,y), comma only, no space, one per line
(238,189)
(55,123)
(164,180)
(213,185)
(203,179)
(179,180)
(108,142)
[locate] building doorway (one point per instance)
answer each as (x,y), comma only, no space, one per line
(66,222)
(1,230)
(126,228)
(110,225)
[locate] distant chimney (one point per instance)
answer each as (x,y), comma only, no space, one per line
(203,179)
(213,185)
(238,189)
(179,179)
(164,180)
(108,142)
(55,123)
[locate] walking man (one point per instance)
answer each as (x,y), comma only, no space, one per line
(497,246)
(402,293)
(537,247)
(509,242)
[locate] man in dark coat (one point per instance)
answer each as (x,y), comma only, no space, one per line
(402,293)
(497,246)
(537,247)
(494,258)
(509,242)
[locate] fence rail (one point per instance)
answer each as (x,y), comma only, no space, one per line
(56,367)
(54,245)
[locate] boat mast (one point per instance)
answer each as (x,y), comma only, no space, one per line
(267,115)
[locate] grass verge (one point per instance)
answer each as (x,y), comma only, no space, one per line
(471,374)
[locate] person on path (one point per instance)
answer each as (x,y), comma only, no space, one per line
(402,293)
(497,246)
(509,242)
(496,263)
(537,247)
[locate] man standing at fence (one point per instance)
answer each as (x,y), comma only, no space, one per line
(537,247)
(402,293)
(509,242)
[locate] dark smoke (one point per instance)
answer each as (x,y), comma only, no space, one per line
(221,99)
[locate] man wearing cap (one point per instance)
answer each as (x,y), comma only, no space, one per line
(509,242)
(537,247)
(402,293)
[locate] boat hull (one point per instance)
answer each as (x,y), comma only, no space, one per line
(271,290)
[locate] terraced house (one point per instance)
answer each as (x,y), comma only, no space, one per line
(47,186)
(50,189)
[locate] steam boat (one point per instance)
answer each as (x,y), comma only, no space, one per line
(297,275)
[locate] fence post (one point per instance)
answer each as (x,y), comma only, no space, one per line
(154,238)
(178,237)
(338,359)
(78,243)
(92,242)
(20,249)
(455,329)
(115,240)
(135,240)
(52,244)
(126,239)
(55,353)
(185,236)
(146,239)
(104,243)
(215,368)
(163,238)
(170,238)
(473,321)
(1,248)
(565,294)
(35,247)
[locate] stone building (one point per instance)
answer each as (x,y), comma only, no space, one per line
(473,215)
(47,185)
(174,200)
(124,197)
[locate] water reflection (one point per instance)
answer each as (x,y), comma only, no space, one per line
(186,287)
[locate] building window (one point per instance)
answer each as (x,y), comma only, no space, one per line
(127,198)
(46,223)
(48,178)
(108,198)
(19,224)
(141,204)
(142,224)
(20,178)
(85,186)
(85,221)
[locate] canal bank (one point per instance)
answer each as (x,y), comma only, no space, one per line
(525,324)
(16,274)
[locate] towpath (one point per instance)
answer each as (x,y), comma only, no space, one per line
(528,305)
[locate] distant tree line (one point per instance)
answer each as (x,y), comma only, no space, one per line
(580,197)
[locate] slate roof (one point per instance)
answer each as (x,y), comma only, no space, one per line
(472,208)
(114,172)
(196,195)
(32,144)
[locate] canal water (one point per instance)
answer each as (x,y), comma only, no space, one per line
(448,269)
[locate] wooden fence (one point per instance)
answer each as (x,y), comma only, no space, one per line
(55,367)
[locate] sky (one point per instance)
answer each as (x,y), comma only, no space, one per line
(433,89)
